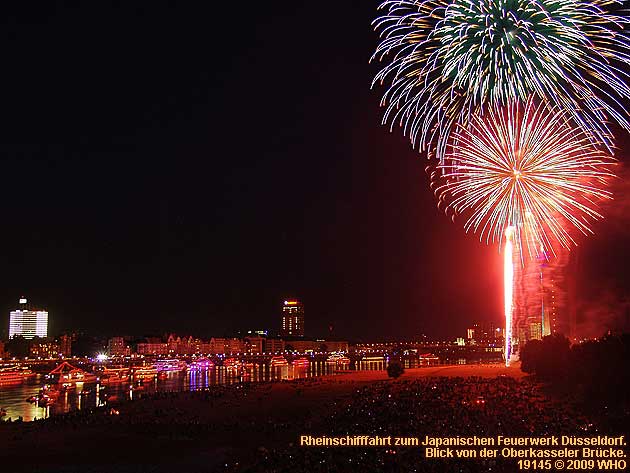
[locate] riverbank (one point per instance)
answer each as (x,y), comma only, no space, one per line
(228,427)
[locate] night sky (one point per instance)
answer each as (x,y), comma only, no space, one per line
(170,168)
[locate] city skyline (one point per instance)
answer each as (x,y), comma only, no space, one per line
(242,239)
(181,212)
(291,326)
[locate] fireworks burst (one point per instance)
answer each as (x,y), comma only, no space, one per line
(451,59)
(524,167)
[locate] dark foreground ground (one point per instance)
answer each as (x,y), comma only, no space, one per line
(256,427)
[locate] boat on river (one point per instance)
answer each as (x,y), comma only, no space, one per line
(338,359)
(233,365)
(301,362)
(68,375)
(115,376)
(428,357)
(170,365)
(14,375)
(201,364)
(278,361)
(144,372)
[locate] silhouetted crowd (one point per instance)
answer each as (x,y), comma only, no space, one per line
(435,407)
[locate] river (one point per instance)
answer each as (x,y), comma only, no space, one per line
(88,395)
(13,398)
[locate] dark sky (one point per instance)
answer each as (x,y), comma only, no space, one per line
(176,168)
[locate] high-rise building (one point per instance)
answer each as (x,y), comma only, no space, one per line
(292,319)
(28,322)
(65,345)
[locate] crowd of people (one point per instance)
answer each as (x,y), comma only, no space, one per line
(408,407)
(435,407)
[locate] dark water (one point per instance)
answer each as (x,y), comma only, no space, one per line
(13,397)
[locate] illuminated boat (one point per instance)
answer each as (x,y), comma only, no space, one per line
(65,373)
(301,362)
(202,364)
(278,361)
(170,365)
(248,370)
(428,357)
(14,375)
(232,365)
(145,372)
(45,401)
(338,359)
(115,375)
(46,397)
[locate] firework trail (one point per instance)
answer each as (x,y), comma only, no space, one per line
(508,287)
(524,167)
(447,60)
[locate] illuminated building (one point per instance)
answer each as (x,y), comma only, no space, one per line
(484,333)
(116,346)
(535,331)
(183,346)
(292,319)
(44,349)
(220,346)
(254,344)
(540,296)
(28,323)
(65,345)
(273,345)
(152,348)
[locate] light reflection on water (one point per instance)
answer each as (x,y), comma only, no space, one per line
(13,397)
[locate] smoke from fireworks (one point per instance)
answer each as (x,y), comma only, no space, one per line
(524,167)
(451,59)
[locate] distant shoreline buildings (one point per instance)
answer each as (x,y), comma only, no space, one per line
(175,345)
(28,336)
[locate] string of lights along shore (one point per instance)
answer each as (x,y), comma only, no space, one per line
(515,99)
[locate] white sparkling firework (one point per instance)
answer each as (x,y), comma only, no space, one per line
(448,60)
(524,167)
